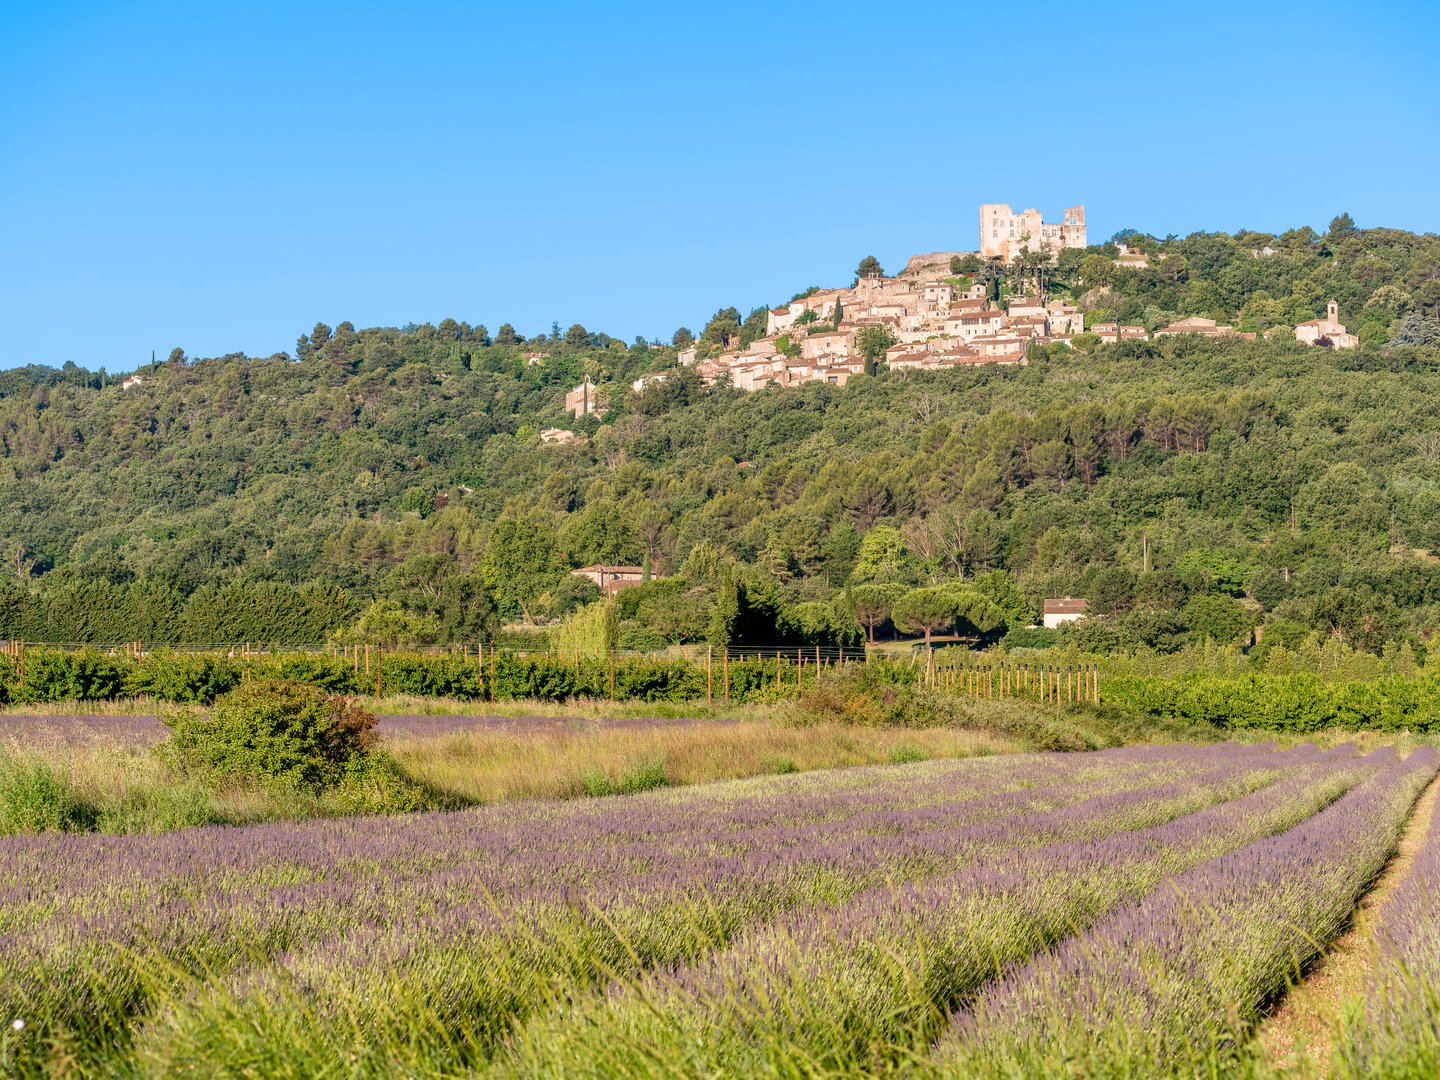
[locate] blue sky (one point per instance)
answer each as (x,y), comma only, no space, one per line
(220,177)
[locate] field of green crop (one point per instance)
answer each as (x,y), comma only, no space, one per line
(1127,912)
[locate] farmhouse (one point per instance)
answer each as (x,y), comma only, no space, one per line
(611,579)
(1063,609)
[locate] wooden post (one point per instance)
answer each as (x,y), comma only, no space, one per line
(367,658)
(709,674)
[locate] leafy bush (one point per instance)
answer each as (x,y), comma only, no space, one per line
(1029,637)
(641,639)
(53,675)
(333,674)
(429,676)
(183,677)
(34,799)
(272,729)
(1298,702)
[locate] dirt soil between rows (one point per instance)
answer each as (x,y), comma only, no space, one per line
(1297,1036)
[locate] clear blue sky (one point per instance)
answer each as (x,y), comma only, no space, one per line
(222,176)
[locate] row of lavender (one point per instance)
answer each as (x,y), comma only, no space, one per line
(867,984)
(290,937)
(1175,984)
(137,732)
(1395,1031)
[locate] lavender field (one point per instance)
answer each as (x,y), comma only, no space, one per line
(1121,912)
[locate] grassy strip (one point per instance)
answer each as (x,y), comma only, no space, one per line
(119,788)
(1173,985)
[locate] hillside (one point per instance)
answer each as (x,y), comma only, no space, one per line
(242,498)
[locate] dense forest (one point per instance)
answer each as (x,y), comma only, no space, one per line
(391,482)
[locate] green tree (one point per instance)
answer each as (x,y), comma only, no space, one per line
(872,604)
(869,267)
(387,624)
(521,563)
(873,341)
(926,610)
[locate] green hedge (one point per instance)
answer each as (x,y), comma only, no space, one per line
(1298,703)
(90,675)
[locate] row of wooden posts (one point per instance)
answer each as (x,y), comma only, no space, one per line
(1056,683)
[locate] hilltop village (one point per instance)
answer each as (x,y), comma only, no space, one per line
(939,312)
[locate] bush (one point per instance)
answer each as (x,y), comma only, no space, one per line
(642,639)
(272,729)
(429,676)
(905,753)
(87,675)
(1029,637)
(643,777)
(33,799)
(1299,702)
(183,678)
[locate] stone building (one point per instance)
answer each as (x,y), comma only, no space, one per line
(1004,234)
(1327,331)
(582,400)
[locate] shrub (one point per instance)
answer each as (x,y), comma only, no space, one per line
(87,675)
(642,639)
(429,676)
(644,777)
(333,674)
(33,799)
(272,729)
(905,753)
(183,677)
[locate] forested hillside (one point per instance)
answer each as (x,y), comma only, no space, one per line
(1188,487)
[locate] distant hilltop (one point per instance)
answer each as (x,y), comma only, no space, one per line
(944,310)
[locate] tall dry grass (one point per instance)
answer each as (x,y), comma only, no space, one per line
(490,766)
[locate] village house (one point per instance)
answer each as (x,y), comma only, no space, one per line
(840,343)
(1329,331)
(611,579)
(1005,234)
(133,380)
(1135,260)
(971,324)
(1195,325)
(644,381)
(1060,610)
(582,402)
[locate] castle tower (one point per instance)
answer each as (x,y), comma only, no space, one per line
(1332,312)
